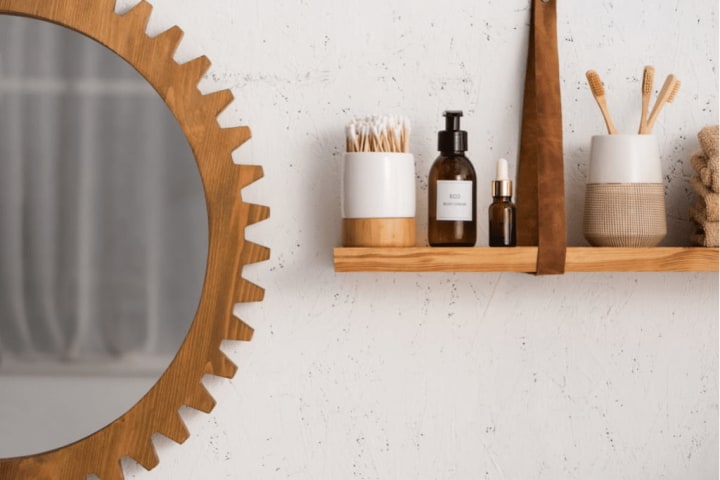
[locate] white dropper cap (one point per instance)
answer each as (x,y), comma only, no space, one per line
(502,185)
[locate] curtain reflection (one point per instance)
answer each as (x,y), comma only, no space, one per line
(103,230)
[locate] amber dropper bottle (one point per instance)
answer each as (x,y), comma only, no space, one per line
(452,213)
(501,214)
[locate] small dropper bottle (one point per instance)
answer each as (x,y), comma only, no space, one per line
(501,214)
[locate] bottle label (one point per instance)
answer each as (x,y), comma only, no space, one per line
(454,200)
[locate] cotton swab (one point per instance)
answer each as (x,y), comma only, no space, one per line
(388,133)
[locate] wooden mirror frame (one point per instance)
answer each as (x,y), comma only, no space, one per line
(157,412)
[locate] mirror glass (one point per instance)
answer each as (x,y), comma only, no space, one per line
(103,236)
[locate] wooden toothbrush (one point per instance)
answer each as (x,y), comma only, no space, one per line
(647,87)
(667,95)
(598,91)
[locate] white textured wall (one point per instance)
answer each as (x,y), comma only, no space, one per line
(457,376)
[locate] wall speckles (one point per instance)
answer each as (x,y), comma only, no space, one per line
(493,376)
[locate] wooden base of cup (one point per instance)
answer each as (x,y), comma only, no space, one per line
(378,232)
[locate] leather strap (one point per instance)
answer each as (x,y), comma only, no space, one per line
(541,185)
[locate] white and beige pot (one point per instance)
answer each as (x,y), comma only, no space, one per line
(625,194)
(378,199)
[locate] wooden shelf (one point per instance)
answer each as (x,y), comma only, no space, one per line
(523,259)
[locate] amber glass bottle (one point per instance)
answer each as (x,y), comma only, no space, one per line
(452,211)
(501,213)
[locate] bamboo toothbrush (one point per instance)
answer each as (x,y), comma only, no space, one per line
(598,91)
(647,87)
(667,95)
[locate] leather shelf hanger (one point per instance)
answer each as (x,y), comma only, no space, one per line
(540,183)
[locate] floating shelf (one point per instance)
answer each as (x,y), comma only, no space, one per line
(523,259)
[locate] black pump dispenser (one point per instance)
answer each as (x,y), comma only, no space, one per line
(452,139)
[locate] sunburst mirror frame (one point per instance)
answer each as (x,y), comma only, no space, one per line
(157,412)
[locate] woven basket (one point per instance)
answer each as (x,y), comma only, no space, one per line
(624,214)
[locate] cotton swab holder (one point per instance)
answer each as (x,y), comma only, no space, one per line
(378,200)
(378,185)
(625,194)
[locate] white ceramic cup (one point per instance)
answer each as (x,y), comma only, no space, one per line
(378,185)
(624,197)
(624,159)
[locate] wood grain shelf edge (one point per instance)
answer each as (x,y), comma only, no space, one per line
(523,259)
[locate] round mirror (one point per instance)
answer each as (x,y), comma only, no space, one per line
(130,435)
(103,236)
